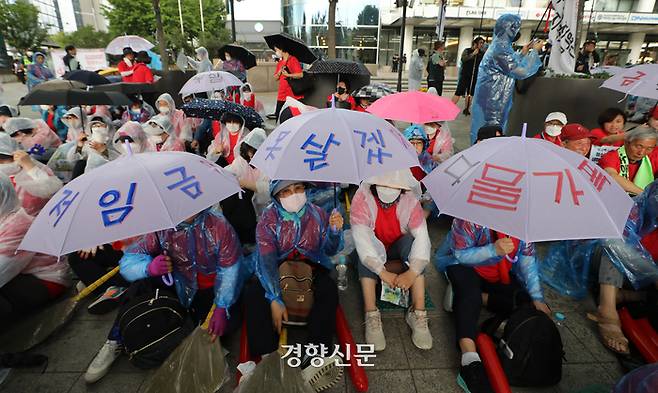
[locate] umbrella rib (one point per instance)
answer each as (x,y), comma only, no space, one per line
(526,224)
(148,175)
(353,151)
(68,230)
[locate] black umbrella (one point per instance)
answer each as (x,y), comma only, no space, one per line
(127,88)
(59,84)
(74,97)
(87,77)
(241,53)
(292,45)
(214,109)
(339,66)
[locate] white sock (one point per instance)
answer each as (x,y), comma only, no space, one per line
(470,357)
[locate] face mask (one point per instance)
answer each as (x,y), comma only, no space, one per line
(340,90)
(294,202)
(156,139)
(135,111)
(232,127)
(430,131)
(99,134)
(387,194)
(44,107)
(247,95)
(10,169)
(278,54)
(72,123)
(217,95)
(553,130)
(134,147)
(164,110)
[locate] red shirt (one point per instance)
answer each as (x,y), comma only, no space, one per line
(233,140)
(611,160)
(123,67)
(597,134)
(553,139)
(50,120)
(205,281)
(350,100)
(216,128)
(142,74)
(500,271)
(359,108)
(284,87)
(387,225)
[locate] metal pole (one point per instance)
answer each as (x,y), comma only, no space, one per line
(232,20)
(180,17)
(203,27)
(589,22)
(400,63)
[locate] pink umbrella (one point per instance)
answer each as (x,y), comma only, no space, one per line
(530,189)
(414,107)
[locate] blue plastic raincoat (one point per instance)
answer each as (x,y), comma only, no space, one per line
(279,233)
(415,131)
(499,68)
(208,245)
(473,245)
(567,264)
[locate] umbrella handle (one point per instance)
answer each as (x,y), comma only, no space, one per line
(92,287)
(516,258)
(168,279)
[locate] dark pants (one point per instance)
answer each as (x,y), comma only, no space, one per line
(468,287)
(22,294)
(397,251)
(277,111)
(239,212)
(438,85)
(321,323)
(91,269)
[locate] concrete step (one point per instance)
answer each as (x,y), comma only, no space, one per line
(448,84)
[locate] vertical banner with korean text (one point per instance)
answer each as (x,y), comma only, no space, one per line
(563,36)
(441,19)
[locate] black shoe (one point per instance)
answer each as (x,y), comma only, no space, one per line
(466,112)
(473,379)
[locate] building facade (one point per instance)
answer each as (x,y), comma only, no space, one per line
(369,30)
(49,15)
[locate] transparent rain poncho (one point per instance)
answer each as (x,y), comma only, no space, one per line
(41,143)
(280,233)
(34,187)
(209,245)
(154,127)
(93,157)
(135,131)
(501,66)
(567,264)
(470,244)
(181,126)
(75,130)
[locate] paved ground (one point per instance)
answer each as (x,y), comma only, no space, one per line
(401,368)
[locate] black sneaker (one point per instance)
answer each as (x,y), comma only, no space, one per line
(473,379)
(466,112)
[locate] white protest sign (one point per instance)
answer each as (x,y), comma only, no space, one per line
(563,36)
(598,151)
(90,60)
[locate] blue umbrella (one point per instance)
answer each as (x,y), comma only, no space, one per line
(214,109)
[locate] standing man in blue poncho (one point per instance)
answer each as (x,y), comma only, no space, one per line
(500,67)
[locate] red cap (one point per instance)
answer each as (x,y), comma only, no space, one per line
(654,112)
(574,132)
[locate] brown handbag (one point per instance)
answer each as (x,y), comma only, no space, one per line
(296,280)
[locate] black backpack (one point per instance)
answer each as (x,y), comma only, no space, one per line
(530,349)
(152,326)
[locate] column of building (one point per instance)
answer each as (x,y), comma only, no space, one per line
(636,40)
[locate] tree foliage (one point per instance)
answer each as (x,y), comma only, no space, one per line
(19,24)
(84,37)
(136,17)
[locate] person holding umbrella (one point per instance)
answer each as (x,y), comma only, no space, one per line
(94,147)
(235,67)
(126,65)
(288,67)
(342,98)
(141,72)
(210,273)
(133,133)
(181,125)
(222,148)
(393,245)
(74,119)
(38,72)
(160,134)
(34,136)
(34,182)
(553,125)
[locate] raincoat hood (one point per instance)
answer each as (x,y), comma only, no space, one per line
(8,199)
(169,100)
(34,57)
(202,53)
(96,117)
(245,86)
(15,124)
(401,179)
(136,132)
(7,144)
(507,26)
(416,132)
(255,138)
(77,112)
(162,121)
(10,110)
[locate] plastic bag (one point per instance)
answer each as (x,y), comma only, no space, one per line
(59,163)
(566,266)
(641,380)
(273,375)
(196,365)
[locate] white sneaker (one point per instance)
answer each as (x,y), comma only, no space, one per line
(374,330)
(420,332)
(325,376)
(103,360)
(448,298)
(80,286)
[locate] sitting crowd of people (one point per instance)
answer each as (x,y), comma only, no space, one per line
(227,261)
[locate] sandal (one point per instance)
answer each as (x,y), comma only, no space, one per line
(611,333)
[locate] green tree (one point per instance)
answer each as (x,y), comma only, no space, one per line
(137,17)
(84,37)
(19,24)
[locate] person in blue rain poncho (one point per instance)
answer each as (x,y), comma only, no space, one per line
(204,256)
(416,135)
(292,229)
(490,268)
(569,265)
(500,67)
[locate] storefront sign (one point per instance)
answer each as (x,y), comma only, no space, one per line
(475,12)
(563,36)
(648,19)
(610,17)
(522,13)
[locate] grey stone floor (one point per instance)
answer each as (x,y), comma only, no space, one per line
(400,368)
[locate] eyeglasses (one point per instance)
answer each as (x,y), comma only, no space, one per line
(290,190)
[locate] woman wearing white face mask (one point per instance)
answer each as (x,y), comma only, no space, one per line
(441,141)
(159,130)
(34,182)
(553,128)
(222,148)
(388,224)
(294,231)
(181,125)
(74,119)
(133,134)
(93,147)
